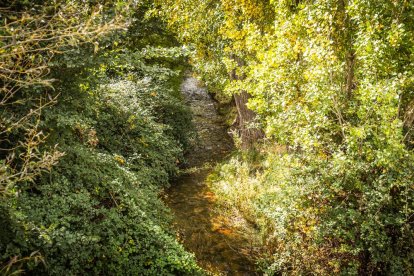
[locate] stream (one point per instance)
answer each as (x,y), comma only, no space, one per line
(219,248)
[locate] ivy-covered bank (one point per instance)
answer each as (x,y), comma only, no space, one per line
(116,122)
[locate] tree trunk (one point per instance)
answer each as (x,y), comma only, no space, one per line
(350,72)
(245,117)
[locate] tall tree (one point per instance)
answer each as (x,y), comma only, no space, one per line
(218,31)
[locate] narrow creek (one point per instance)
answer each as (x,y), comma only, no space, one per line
(218,247)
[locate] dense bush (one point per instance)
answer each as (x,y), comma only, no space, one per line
(311,222)
(122,127)
(98,210)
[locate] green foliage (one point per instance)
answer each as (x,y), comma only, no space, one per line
(92,214)
(332,84)
(33,33)
(319,216)
(122,125)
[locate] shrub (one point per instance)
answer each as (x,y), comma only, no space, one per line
(122,126)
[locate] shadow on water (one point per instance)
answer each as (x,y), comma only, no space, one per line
(219,248)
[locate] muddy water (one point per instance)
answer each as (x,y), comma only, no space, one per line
(218,247)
